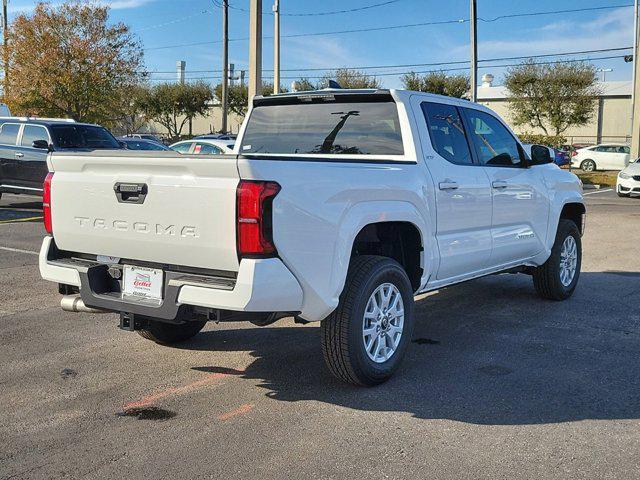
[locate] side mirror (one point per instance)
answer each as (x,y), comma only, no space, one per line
(43,144)
(540,155)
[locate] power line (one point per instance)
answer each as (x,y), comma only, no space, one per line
(396,27)
(318,14)
(554,12)
(433,64)
(174,21)
(454,69)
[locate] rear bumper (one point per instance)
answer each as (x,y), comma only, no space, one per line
(262,285)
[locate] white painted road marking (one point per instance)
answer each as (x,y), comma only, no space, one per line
(19,250)
(599,191)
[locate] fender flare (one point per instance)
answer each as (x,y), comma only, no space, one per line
(554,215)
(367,213)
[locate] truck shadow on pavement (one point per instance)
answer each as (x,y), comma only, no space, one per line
(486,352)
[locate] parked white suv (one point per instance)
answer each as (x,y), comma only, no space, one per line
(601,157)
(338,206)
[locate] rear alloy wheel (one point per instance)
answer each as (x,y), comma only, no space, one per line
(366,337)
(170,333)
(588,166)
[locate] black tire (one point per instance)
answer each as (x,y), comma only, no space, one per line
(588,165)
(546,278)
(342,332)
(170,333)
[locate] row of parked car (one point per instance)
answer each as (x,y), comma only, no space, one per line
(25,143)
(211,144)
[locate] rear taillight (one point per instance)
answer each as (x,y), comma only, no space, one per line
(254,218)
(574,153)
(46,202)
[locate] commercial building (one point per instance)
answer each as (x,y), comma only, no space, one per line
(611,121)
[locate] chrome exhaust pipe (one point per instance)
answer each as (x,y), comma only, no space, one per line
(73,303)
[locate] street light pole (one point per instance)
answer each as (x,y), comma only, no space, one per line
(255,49)
(473,20)
(276,46)
(5,48)
(225,64)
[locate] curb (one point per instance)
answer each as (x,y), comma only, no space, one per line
(591,187)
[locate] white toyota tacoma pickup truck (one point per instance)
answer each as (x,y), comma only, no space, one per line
(338,206)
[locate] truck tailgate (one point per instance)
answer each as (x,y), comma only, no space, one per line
(159,207)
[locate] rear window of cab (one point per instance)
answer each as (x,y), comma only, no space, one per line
(330,128)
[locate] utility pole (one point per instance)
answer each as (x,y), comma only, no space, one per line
(5,49)
(276,46)
(255,49)
(225,64)
(635,89)
(473,20)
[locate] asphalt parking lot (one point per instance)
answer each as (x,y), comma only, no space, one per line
(497,384)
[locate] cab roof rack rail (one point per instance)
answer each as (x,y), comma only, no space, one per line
(46,119)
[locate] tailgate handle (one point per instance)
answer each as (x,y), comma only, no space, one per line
(130,192)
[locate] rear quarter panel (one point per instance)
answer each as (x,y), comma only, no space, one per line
(321,208)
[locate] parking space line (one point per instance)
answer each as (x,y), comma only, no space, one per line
(241,410)
(19,250)
(154,397)
(599,191)
(15,220)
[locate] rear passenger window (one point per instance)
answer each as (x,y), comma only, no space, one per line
(9,133)
(494,144)
(182,148)
(447,133)
(31,133)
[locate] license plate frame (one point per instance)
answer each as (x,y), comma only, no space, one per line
(142,283)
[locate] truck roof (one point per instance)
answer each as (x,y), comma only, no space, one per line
(399,95)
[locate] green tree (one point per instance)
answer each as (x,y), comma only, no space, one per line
(129,116)
(304,84)
(67,60)
(349,78)
(172,105)
(438,82)
(552,97)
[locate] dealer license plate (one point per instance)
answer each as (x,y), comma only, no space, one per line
(142,282)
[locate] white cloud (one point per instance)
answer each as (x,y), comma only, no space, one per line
(611,30)
(27,6)
(318,52)
(126,4)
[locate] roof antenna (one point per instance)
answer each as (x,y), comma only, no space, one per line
(334,84)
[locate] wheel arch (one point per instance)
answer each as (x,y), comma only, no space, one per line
(399,240)
(572,208)
(365,217)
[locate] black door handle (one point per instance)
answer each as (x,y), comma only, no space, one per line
(130,192)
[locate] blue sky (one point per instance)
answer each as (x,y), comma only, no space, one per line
(164,23)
